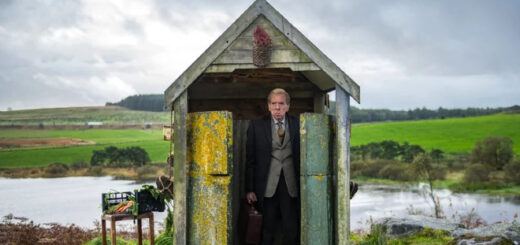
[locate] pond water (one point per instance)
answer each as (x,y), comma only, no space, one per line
(77,200)
(374,201)
(70,200)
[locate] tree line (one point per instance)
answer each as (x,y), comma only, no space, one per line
(155,102)
(142,102)
(391,150)
(377,115)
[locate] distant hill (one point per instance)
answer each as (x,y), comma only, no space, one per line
(380,115)
(81,115)
(142,102)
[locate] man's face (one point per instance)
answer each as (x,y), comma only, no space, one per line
(278,106)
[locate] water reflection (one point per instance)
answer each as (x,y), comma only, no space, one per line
(374,201)
(70,200)
(76,200)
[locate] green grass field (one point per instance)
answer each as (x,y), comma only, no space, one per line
(450,135)
(150,140)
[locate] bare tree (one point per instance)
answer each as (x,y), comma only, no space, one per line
(427,171)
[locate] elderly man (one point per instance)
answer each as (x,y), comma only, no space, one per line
(273,163)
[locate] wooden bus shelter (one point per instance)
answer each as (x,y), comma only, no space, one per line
(212,103)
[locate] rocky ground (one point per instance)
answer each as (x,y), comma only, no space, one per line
(499,233)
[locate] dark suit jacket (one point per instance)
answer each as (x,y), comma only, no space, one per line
(258,153)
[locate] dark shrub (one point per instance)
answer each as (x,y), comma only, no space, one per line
(439,172)
(397,171)
(409,152)
(437,155)
(391,149)
(356,169)
(425,169)
(476,173)
(98,157)
(114,155)
(512,172)
(78,165)
(120,157)
(137,155)
(455,165)
(493,151)
(368,169)
(56,169)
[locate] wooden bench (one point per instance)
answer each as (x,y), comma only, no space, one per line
(113,218)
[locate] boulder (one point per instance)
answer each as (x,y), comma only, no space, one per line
(475,241)
(404,226)
(507,232)
(500,233)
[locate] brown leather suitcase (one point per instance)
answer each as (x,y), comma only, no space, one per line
(250,223)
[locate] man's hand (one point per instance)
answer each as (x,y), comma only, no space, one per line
(251,197)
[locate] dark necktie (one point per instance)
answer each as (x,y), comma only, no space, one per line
(281,132)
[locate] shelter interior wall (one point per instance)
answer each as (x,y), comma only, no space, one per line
(244,92)
(246,109)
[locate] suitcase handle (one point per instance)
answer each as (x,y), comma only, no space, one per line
(253,209)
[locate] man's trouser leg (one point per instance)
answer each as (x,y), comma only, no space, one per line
(281,203)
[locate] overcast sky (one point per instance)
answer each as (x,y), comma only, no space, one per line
(403,54)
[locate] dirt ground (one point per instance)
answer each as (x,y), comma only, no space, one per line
(15,143)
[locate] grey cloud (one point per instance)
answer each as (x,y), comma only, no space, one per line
(411,47)
(433,37)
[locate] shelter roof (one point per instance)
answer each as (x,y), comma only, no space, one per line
(318,69)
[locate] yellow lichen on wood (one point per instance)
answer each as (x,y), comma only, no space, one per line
(209,140)
(209,221)
(209,155)
(319,176)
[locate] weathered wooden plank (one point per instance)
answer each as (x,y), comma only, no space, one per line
(253,84)
(209,140)
(222,42)
(316,214)
(316,193)
(266,24)
(239,171)
(318,57)
(151,232)
(246,43)
(342,167)
(264,75)
(322,80)
(277,56)
(319,103)
(314,143)
(180,107)
(334,177)
(260,7)
(226,68)
(210,160)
